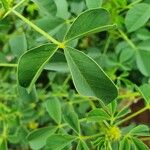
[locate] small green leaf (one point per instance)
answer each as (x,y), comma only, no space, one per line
(50,24)
(18,44)
(32,63)
(124,144)
(139,144)
(3,144)
(72,119)
(140,130)
(58,142)
(144,45)
(88,77)
(94,4)
(142,60)
(54,109)
(123,112)
(98,115)
(37,139)
(145,91)
(90,21)
(62,9)
(137,16)
(82,146)
(47,6)
(5,4)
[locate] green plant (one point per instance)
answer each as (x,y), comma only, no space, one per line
(63,119)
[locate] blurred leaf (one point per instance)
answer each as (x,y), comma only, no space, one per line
(91,81)
(140,130)
(47,6)
(124,144)
(145,91)
(27,97)
(94,4)
(62,9)
(82,146)
(57,63)
(139,144)
(58,142)
(123,112)
(3,144)
(144,45)
(5,4)
(18,44)
(72,119)
(53,107)
(143,34)
(50,24)
(37,138)
(142,60)
(98,115)
(137,16)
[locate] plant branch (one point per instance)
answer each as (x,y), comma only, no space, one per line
(10,10)
(125,37)
(132,115)
(8,65)
(36,28)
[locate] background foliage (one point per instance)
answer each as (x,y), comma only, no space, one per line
(74,74)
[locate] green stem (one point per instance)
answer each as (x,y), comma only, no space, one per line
(65,124)
(107,44)
(8,65)
(125,37)
(145,139)
(129,6)
(92,136)
(135,2)
(36,28)
(133,115)
(10,10)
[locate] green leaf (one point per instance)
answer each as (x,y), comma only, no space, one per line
(72,119)
(37,139)
(57,63)
(142,60)
(144,45)
(62,9)
(82,146)
(32,63)
(3,144)
(123,112)
(89,78)
(27,97)
(137,16)
(98,115)
(47,6)
(88,22)
(50,24)
(124,144)
(140,130)
(54,109)
(145,92)
(18,44)
(5,4)
(94,4)
(58,142)
(139,144)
